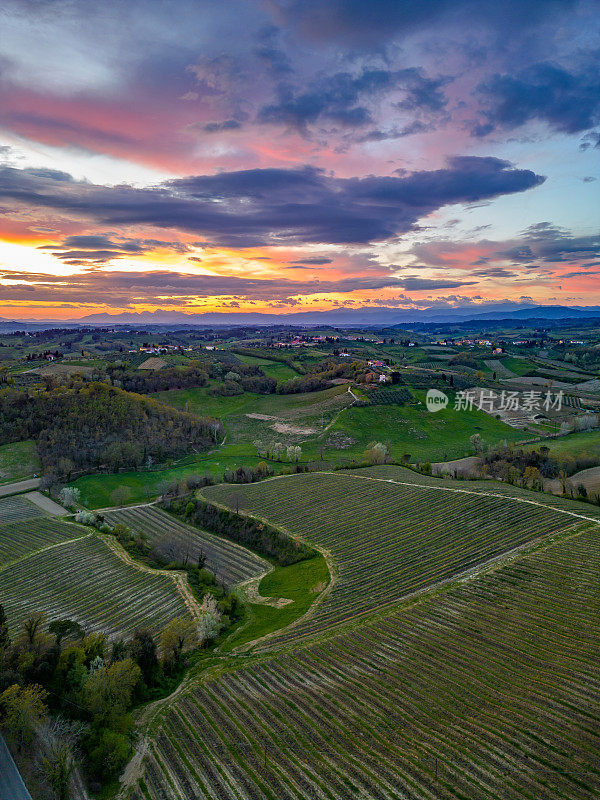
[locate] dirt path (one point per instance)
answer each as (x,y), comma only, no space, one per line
(122,508)
(46,504)
(250,588)
(19,486)
(178,578)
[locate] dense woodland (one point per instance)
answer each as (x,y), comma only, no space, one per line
(160,380)
(232,376)
(66,694)
(83,427)
(321,375)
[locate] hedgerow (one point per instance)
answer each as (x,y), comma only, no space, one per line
(264,539)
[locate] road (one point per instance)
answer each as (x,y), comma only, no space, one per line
(11,783)
(16,488)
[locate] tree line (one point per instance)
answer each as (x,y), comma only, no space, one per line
(258,536)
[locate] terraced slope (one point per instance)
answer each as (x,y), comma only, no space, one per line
(65,571)
(173,540)
(388,540)
(18,539)
(489,690)
(13,509)
(392,472)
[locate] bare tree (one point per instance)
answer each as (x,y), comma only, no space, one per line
(238,500)
(58,754)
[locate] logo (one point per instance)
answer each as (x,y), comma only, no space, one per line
(436,400)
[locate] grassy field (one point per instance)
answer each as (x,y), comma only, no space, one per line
(484,691)
(199,401)
(67,572)
(520,366)
(389,540)
(172,540)
(18,460)
(274,369)
(572,445)
(96,490)
(439,436)
(301,583)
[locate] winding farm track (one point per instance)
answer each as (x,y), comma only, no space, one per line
(17,487)
(178,578)
(492,678)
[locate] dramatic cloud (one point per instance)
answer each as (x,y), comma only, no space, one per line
(542,246)
(274,206)
(336,98)
(302,139)
(122,288)
(100,248)
(568,102)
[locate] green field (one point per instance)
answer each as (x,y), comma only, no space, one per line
(274,369)
(200,401)
(520,366)
(301,583)
(96,490)
(482,689)
(440,436)
(572,445)
(18,460)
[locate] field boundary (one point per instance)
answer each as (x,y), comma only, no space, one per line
(179,578)
(425,486)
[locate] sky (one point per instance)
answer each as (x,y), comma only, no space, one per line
(292,155)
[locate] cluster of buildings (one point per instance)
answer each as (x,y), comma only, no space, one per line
(161,349)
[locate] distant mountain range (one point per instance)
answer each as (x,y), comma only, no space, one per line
(340,317)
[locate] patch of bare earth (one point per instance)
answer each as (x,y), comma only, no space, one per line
(283,427)
(466,467)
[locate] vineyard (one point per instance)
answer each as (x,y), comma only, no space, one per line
(14,509)
(18,539)
(391,472)
(486,691)
(173,540)
(65,571)
(387,397)
(388,540)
